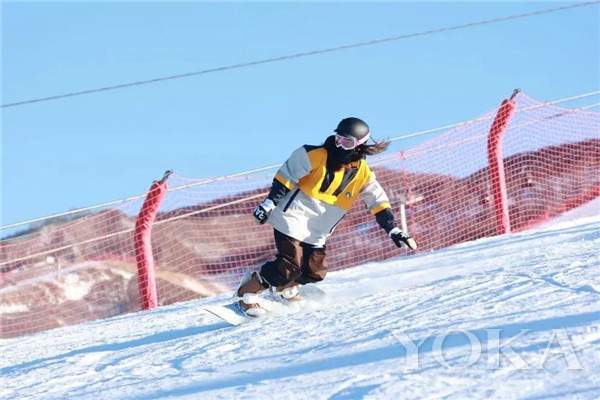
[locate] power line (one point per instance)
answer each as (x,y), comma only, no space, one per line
(299,55)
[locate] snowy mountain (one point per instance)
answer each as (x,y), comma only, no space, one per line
(516,316)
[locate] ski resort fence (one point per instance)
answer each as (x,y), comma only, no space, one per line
(511,169)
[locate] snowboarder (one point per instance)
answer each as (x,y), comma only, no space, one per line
(310,194)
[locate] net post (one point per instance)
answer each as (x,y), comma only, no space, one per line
(496,164)
(403,221)
(143,243)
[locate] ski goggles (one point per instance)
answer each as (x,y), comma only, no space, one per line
(349,143)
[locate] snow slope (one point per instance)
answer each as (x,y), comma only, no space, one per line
(590,209)
(534,289)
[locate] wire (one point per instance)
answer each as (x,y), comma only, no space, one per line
(299,55)
(74,211)
(270,167)
(487,117)
(130,230)
(588,107)
(189,214)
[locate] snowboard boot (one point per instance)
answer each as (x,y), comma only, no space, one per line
(250,286)
(289,292)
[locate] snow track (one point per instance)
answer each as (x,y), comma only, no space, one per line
(534,289)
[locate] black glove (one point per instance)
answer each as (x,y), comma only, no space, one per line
(402,239)
(262,211)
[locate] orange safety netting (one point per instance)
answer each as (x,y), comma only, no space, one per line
(204,236)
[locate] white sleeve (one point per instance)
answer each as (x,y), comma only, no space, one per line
(297,166)
(374,196)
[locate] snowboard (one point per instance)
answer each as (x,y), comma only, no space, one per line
(230,313)
(272,303)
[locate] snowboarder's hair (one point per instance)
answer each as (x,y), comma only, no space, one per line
(379,146)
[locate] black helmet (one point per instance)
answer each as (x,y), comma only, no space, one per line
(352,127)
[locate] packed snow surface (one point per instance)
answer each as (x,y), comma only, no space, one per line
(516,316)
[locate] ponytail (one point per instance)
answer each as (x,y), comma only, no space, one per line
(375,148)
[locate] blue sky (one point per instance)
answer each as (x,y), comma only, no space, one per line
(90,149)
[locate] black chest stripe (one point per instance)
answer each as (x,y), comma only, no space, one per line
(349,174)
(329,176)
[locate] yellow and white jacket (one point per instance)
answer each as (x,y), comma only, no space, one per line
(319,198)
